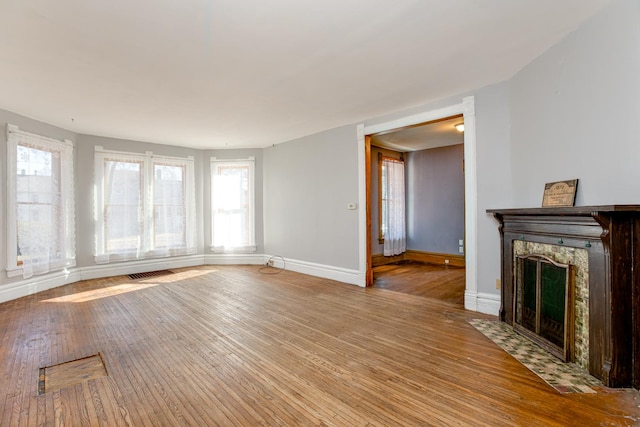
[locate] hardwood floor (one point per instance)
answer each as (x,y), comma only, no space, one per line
(226,345)
(425,280)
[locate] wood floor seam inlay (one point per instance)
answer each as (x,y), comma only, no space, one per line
(70,373)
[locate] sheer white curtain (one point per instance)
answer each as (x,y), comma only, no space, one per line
(121,207)
(41,203)
(173,207)
(145,206)
(395,237)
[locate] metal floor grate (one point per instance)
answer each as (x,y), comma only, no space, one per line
(150,274)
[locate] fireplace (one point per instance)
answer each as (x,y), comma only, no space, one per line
(543,303)
(595,250)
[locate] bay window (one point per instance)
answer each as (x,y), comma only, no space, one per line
(40,203)
(145,206)
(232,206)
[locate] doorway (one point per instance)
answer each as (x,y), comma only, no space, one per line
(467,109)
(431,262)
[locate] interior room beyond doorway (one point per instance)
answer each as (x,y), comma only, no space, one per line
(438,282)
(432,155)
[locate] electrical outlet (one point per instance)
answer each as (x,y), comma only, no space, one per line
(461,249)
(446,261)
(270,263)
(498,283)
(460,242)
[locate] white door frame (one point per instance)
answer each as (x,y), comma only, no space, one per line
(467,109)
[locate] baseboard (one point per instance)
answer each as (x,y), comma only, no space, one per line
(139,266)
(353,277)
(380,259)
(19,289)
(234,259)
(11,291)
(482,302)
(419,256)
(36,284)
(435,258)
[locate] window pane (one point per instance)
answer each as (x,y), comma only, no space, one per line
(123,195)
(231,206)
(169,206)
(32,161)
(37,200)
(123,231)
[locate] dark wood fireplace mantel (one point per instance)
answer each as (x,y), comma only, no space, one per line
(611,236)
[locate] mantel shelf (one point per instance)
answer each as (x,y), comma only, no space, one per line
(566,211)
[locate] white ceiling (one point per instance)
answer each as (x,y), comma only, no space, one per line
(251,73)
(431,135)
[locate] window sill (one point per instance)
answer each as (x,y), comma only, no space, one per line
(14,272)
(235,250)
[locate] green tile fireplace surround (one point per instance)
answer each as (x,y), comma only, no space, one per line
(603,243)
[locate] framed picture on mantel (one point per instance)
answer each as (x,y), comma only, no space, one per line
(560,193)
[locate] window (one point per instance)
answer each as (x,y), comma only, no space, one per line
(145,206)
(391,205)
(232,205)
(40,204)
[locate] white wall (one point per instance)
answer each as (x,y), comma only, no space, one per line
(576,113)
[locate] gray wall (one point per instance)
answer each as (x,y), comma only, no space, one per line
(576,111)
(435,199)
(494,178)
(308,183)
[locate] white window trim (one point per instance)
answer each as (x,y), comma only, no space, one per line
(148,159)
(251,248)
(12,268)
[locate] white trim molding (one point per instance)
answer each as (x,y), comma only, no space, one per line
(70,275)
(36,284)
(482,302)
(139,266)
(345,275)
(362,203)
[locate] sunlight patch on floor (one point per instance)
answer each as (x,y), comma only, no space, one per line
(102,292)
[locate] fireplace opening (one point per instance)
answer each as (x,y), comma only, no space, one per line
(543,303)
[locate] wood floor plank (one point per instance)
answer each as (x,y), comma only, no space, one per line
(227,345)
(445,283)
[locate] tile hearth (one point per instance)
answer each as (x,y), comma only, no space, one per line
(564,377)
